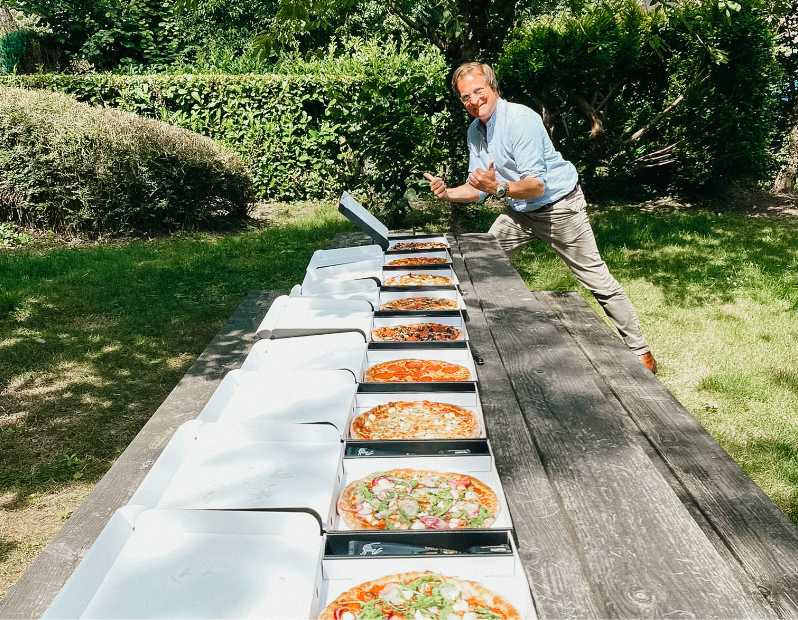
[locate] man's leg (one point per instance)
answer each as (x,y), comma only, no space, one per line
(512,230)
(566,228)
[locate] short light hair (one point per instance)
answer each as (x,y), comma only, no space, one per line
(474,67)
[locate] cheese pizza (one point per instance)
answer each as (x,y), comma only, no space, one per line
(421,419)
(419,595)
(411,370)
(420,303)
(417,260)
(410,499)
(417,279)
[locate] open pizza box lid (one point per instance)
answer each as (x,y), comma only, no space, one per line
(197,564)
(388,258)
(450,352)
(214,466)
(305,316)
(364,290)
(343,256)
(247,397)
(343,351)
(467,398)
(396,239)
(502,574)
(392,319)
(441,292)
(480,466)
(356,213)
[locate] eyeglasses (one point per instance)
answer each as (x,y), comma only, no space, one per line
(477,92)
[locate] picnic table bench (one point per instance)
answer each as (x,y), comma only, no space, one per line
(623,506)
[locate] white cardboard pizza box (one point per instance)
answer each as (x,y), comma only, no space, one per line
(212,466)
(443,292)
(344,351)
(394,256)
(460,356)
(364,401)
(341,256)
(456,321)
(410,238)
(365,290)
(503,575)
(245,397)
(197,564)
(481,467)
(446,272)
(347,271)
(306,316)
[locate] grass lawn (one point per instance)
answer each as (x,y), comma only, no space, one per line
(92,339)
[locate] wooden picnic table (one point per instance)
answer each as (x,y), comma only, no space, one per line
(623,506)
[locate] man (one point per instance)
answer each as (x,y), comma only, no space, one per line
(512,157)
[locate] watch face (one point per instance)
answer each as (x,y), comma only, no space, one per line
(502,190)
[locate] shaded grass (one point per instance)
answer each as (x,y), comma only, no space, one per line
(716,295)
(94,339)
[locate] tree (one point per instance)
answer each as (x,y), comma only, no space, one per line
(463,30)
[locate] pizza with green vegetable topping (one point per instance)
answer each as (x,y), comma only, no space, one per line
(409,499)
(416,595)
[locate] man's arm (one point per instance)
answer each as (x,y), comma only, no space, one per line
(462,193)
(527,188)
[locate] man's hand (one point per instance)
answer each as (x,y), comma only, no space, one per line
(437,185)
(484,180)
(462,193)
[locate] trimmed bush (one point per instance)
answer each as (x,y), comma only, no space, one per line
(72,167)
(368,121)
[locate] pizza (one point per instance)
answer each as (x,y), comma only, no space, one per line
(416,332)
(420,419)
(419,595)
(404,246)
(417,279)
(411,499)
(417,260)
(420,303)
(408,370)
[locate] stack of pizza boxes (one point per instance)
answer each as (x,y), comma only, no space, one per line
(246,511)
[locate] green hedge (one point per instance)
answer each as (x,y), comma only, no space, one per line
(67,166)
(300,136)
(642,99)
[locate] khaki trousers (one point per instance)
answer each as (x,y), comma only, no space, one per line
(565,227)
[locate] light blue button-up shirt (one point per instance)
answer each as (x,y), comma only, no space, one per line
(517,143)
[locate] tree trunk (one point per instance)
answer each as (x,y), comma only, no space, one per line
(7,21)
(785,179)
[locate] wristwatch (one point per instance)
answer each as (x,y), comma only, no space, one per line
(503,188)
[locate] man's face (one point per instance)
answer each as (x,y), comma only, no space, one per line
(479,99)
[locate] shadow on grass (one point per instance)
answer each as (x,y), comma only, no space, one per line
(104,334)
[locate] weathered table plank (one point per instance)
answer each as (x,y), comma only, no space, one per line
(35,590)
(546,546)
(644,554)
(753,528)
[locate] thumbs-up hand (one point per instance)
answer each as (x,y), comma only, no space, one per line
(484,180)
(437,185)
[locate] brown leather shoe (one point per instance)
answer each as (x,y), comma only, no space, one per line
(648,361)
